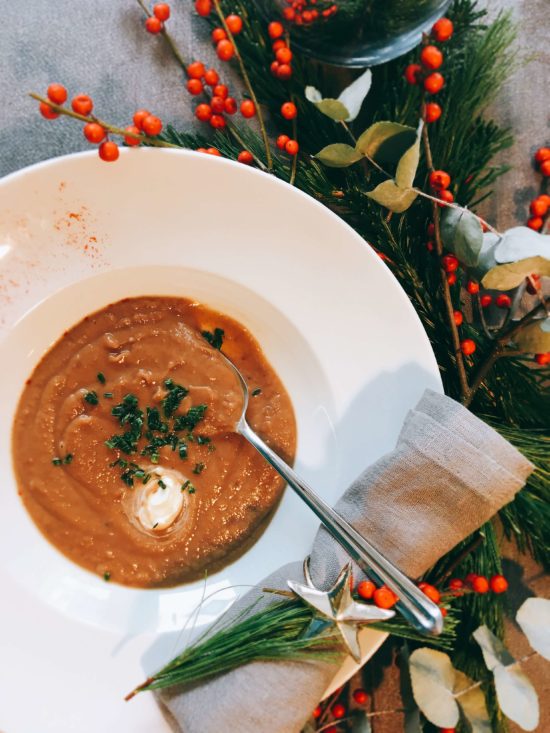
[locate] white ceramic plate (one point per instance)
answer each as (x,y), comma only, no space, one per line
(76,234)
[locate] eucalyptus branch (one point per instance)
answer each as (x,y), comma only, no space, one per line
(516,663)
(461,369)
(110,128)
(248,85)
(499,348)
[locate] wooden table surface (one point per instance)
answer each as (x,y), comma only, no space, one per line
(97,47)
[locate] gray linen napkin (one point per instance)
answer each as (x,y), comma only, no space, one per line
(448,474)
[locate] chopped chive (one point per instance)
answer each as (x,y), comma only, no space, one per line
(256,392)
(191,489)
(182,449)
(57,461)
(101,377)
(155,525)
(91,397)
(161,483)
(154,457)
(68,459)
(199,468)
(202,440)
(106,575)
(108,394)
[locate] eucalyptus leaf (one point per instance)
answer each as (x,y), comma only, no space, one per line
(506,277)
(338,155)
(408,164)
(534,620)
(395,199)
(433,680)
(493,650)
(534,338)
(386,142)
(486,257)
(472,703)
(360,723)
(313,95)
(354,95)
(519,243)
(517,697)
(333,108)
(462,234)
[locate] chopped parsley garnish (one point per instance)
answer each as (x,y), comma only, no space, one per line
(199,468)
(256,392)
(214,339)
(101,377)
(91,397)
(190,420)
(161,483)
(106,576)
(175,395)
(108,394)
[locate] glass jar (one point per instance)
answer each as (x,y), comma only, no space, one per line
(355,33)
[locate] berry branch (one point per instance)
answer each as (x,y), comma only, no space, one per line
(247,83)
(159,27)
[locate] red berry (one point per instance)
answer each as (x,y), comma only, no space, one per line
(442,30)
(338,711)
(503,300)
(430,591)
(282,141)
(245,157)
(431,229)
(217,122)
(161,11)
(248,108)
(431,57)
(365,589)
(152,125)
(432,112)
(220,90)
(194,86)
(82,104)
(450,263)
(384,597)
(445,195)
(292,147)
(108,151)
(196,70)
(472,287)
(360,697)
(234,23)
(217,104)
(289,14)
(485,300)
(93,132)
(443,611)
(153,25)
(218,34)
(47,112)
(57,93)
(480,584)
(203,7)
(536,223)
(447,730)
(469,579)
(275,29)
(284,55)
(545,168)
(317,712)
(225,50)
(288,110)
(412,73)
(132,141)
(543,359)
(498,584)
(279,43)
(211,77)
(541,155)
(214,151)
(139,116)
(467,347)
(456,584)
(538,207)
(230,105)
(433,83)
(451,278)
(440,179)
(203,112)
(458,318)
(330,729)
(284,72)
(307,16)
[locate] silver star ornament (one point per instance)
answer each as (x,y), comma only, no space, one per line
(338,606)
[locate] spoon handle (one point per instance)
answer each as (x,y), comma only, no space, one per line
(417,608)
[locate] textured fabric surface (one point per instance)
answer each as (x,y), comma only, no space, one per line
(447,475)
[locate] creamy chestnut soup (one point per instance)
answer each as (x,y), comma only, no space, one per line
(124,444)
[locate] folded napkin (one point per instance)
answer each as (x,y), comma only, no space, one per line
(448,474)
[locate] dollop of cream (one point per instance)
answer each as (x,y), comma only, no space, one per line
(160,504)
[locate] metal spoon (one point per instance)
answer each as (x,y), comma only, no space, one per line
(417,608)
